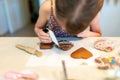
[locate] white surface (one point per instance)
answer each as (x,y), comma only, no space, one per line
(49,66)
(53,57)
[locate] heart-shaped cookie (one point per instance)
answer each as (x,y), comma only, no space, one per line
(81,53)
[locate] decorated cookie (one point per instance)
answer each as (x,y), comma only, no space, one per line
(107,63)
(65,45)
(104,45)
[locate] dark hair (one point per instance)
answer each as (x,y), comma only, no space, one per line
(77,13)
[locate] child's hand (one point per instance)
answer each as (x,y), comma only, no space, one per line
(84,34)
(44,37)
(88,33)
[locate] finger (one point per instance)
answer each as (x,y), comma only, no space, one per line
(80,35)
(45,41)
(42,33)
(45,37)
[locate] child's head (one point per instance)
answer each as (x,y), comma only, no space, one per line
(77,14)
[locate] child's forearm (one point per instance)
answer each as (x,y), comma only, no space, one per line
(89,34)
(94,34)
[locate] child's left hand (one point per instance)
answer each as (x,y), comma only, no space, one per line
(88,33)
(84,34)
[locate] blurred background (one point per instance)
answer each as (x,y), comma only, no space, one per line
(18,17)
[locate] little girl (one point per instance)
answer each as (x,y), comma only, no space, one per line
(69,18)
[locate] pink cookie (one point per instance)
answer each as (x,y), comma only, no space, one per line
(104,45)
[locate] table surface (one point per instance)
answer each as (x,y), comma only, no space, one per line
(48,67)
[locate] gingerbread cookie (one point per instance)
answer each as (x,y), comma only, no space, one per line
(81,53)
(107,63)
(65,45)
(104,45)
(46,45)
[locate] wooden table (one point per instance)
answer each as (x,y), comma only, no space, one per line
(47,68)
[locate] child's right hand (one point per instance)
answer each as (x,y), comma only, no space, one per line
(43,37)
